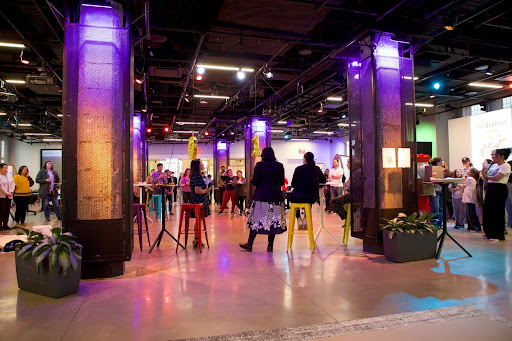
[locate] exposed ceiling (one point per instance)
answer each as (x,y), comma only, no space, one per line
(305,44)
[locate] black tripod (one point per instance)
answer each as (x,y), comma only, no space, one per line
(162,216)
(445,228)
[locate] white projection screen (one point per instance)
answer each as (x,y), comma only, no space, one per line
(475,136)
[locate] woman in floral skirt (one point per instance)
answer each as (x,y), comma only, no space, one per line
(267,213)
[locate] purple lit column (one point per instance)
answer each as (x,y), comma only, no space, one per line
(138,151)
(260,127)
(220,158)
(97,186)
(382,136)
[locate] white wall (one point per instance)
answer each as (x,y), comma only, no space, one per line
(24,154)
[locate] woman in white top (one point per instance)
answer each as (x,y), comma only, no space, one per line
(469,199)
(335,177)
(6,194)
(496,195)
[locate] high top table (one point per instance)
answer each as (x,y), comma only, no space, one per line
(161,234)
(322,226)
(444,185)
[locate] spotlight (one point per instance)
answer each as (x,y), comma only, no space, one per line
(206,133)
(145,109)
(187,98)
(240,74)
(320,109)
(510,86)
(139,80)
(344,116)
(450,21)
(286,137)
(437,85)
(490,71)
(356,76)
(149,130)
(268,74)
(199,78)
(24,60)
(432,96)
(200,70)
(231,133)
(166,129)
(203,101)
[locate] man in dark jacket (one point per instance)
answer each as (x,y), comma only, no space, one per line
(49,181)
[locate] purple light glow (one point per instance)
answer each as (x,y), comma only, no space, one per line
(355,63)
(221,145)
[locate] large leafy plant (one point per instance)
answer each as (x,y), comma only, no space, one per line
(58,247)
(409,224)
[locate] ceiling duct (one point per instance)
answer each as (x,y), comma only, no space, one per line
(43,84)
(165,72)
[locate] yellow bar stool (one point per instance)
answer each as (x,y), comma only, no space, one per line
(348,221)
(309,220)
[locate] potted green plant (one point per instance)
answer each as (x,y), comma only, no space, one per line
(409,238)
(49,265)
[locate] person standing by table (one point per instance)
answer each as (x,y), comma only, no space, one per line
(185,186)
(48,181)
(6,195)
(267,213)
(335,177)
(221,184)
(200,191)
(458,205)
(496,195)
(327,191)
(169,191)
(22,194)
(229,193)
(240,190)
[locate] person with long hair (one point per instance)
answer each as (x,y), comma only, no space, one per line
(6,195)
(336,177)
(185,186)
(22,194)
(48,181)
(469,199)
(466,166)
(267,213)
(240,190)
(305,185)
(458,205)
(229,193)
(199,190)
(496,195)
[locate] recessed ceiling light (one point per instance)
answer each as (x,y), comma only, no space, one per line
(60,115)
(52,140)
(38,134)
(323,132)
(335,99)
(211,96)
(276,131)
(281,122)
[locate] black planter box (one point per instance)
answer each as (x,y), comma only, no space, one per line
(47,283)
(405,247)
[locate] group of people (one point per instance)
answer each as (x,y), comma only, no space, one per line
(232,188)
(487,192)
(18,188)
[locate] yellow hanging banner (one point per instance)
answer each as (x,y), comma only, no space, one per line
(192,147)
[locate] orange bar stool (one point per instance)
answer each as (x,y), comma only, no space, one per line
(139,211)
(186,210)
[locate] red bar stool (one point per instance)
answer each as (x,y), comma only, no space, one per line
(139,211)
(187,209)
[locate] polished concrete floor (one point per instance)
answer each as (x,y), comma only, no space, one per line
(226,290)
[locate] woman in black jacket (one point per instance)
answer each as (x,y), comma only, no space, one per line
(267,214)
(305,185)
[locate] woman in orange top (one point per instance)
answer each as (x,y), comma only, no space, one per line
(22,194)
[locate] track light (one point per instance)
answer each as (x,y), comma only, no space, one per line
(166,129)
(231,133)
(206,133)
(320,109)
(437,85)
(344,116)
(24,60)
(203,101)
(139,80)
(490,71)
(268,74)
(432,96)
(450,21)
(199,78)
(187,98)
(240,74)
(200,70)
(149,130)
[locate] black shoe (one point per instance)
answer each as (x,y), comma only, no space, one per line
(47,219)
(59,218)
(270,248)
(246,246)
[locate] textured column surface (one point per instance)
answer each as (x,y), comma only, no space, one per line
(97,186)
(260,127)
(220,156)
(382,137)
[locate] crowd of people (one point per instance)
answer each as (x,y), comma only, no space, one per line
(482,200)
(17,188)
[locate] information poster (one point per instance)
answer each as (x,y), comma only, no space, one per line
(404,157)
(389,157)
